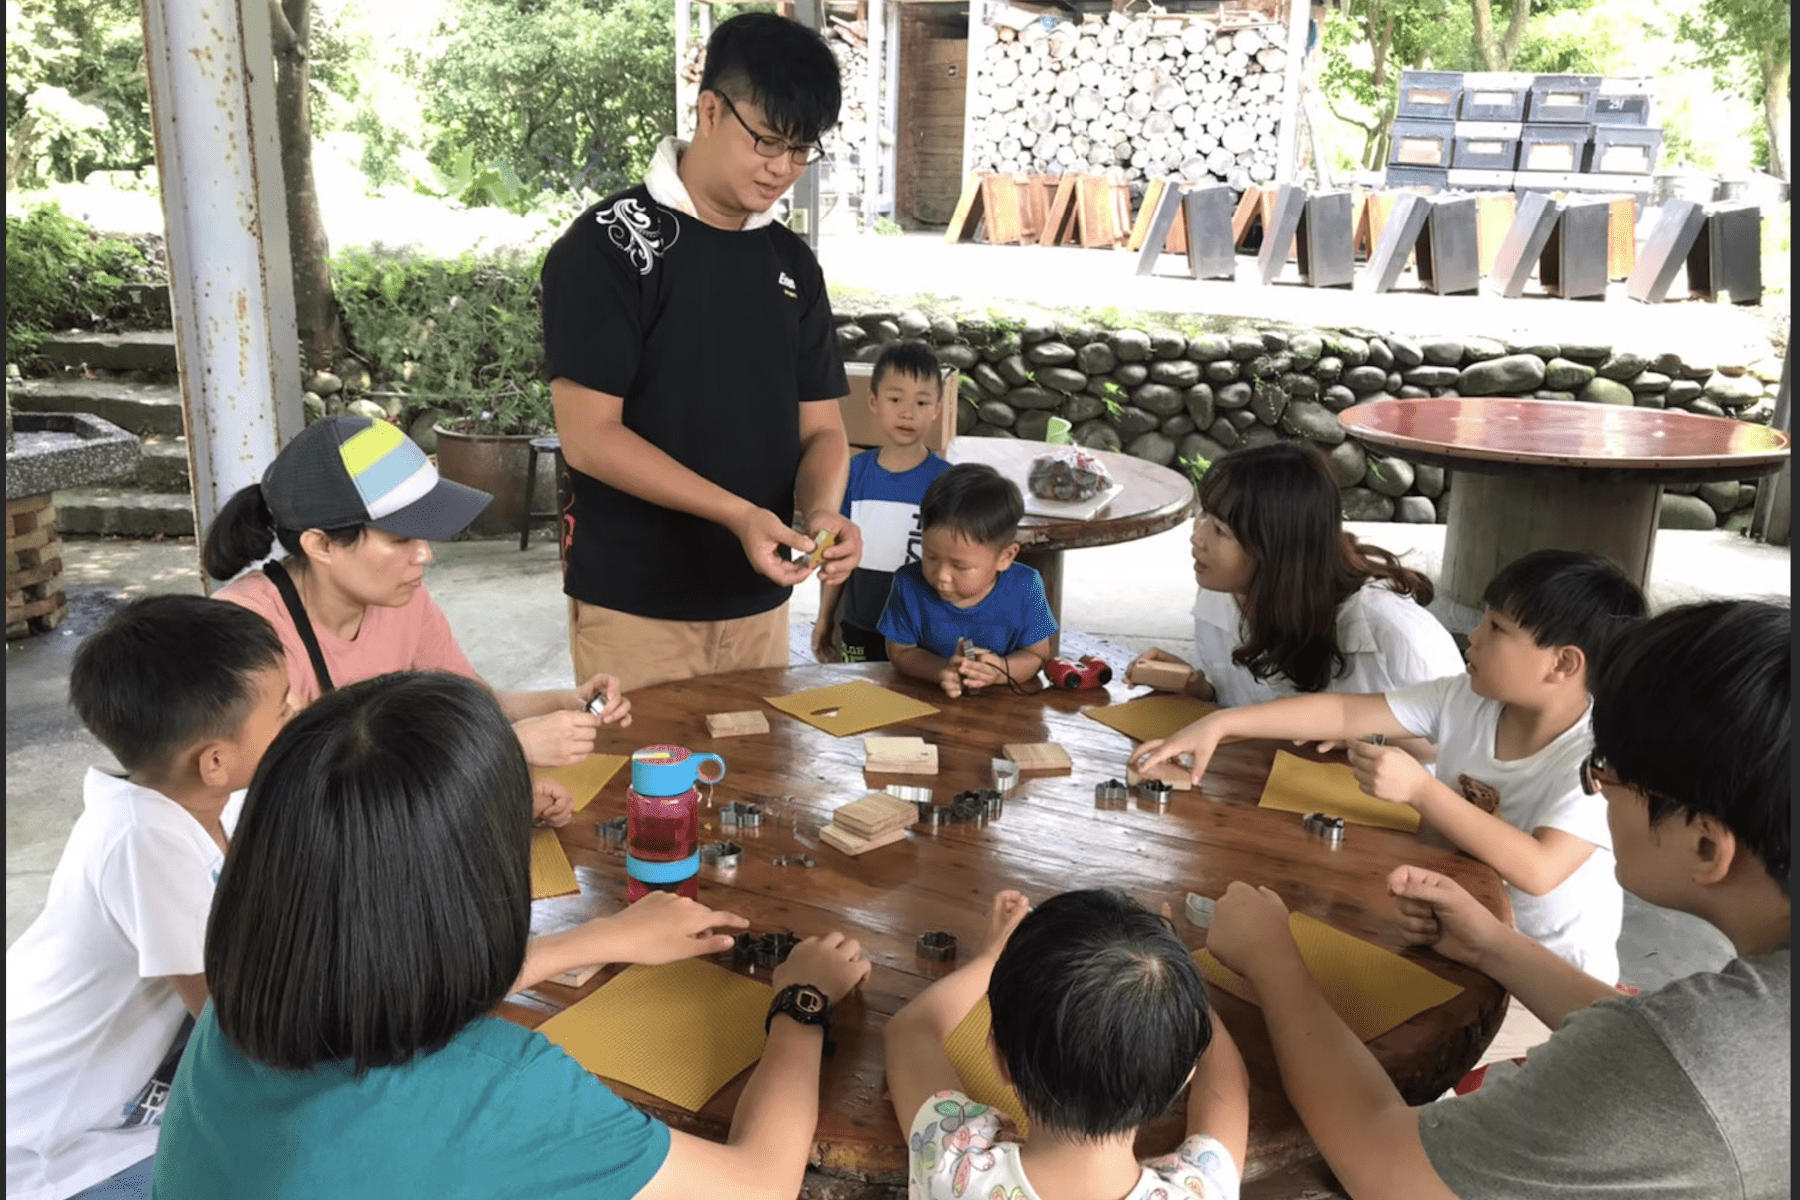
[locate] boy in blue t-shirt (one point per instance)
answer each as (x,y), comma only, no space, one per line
(967,586)
(882,499)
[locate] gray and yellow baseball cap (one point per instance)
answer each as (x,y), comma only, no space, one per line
(345,471)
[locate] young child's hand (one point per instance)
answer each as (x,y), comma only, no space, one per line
(1388,772)
(825,643)
(552,803)
(664,928)
(1436,911)
(834,964)
(1199,739)
(616,710)
(1008,909)
(950,678)
(982,669)
(1249,929)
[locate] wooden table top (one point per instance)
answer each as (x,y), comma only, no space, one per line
(1155,498)
(1049,839)
(1499,433)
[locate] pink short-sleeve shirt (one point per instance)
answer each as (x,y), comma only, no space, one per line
(414,637)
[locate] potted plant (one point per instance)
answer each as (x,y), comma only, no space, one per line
(488,446)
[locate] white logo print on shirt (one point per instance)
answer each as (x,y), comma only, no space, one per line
(787,285)
(643,235)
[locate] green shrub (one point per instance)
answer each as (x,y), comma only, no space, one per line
(469,328)
(60,274)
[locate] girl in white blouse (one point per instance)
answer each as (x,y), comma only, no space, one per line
(1290,602)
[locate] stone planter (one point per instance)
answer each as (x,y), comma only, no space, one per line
(495,463)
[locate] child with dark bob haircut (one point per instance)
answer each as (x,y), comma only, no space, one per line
(1684,1091)
(966,585)
(103,987)
(375,906)
(1100,1022)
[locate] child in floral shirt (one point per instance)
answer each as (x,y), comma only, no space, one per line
(1100,1022)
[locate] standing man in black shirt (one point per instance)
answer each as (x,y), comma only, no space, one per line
(695,374)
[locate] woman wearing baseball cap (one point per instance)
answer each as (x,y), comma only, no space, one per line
(356,505)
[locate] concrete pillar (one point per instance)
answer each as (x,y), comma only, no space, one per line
(211,73)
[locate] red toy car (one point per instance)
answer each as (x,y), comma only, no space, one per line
(1087,673)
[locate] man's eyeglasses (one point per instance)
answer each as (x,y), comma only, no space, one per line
(773,147)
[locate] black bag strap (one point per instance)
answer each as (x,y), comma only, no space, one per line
(284,583)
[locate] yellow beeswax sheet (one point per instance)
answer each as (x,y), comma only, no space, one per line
(967,1049)
(1372,989)
(1150,717)
(680,1032)
(551,874)
(585,778)
(847,708)
(1301,785)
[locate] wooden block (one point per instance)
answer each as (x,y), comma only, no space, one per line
(736,724)
(1039,756)
(875,814)
(576,977)
(900,756)
(967,213)
(1279,228)
(1059,221)
(849,843)
(1163,676)
(1173,774)
(1621,237)
(1000,203)
(1494,212)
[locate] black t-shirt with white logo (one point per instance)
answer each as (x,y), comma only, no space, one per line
(713,338)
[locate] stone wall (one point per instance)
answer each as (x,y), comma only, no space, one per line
(1169,396)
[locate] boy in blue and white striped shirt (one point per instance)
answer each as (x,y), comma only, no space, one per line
(886,486)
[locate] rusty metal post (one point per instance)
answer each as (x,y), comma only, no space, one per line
(211,68)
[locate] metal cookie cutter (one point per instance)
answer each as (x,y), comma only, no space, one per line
(1155,791)
(723,855)
(745,816)
(1111,794)
(937,946)
(933,814)
(795,860)
(1326,828)
(769,950)
(1006,775)
(994,800)
(1376,739)
(613,830)
(968,806)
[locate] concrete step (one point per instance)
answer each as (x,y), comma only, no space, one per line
(124,512)
(148,350)
(140,408)
(163,465)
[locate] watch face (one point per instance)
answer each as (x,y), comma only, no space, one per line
(809,1001)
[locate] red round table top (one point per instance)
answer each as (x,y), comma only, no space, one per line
(1488,432)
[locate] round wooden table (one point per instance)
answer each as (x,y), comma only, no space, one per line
(1536,474)
(1154,499)
(1049,839)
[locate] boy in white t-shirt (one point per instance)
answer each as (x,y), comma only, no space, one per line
(1511,734)
(1099,1022)
(103,987)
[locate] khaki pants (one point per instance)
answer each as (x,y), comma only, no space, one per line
(643,651)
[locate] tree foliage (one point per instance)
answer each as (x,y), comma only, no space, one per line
(561,95)
(76,95)
(1748,46)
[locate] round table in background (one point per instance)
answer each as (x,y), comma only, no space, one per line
(1538,474)
(1050,839)
(1154,499)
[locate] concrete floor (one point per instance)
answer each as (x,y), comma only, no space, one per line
(47,750)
